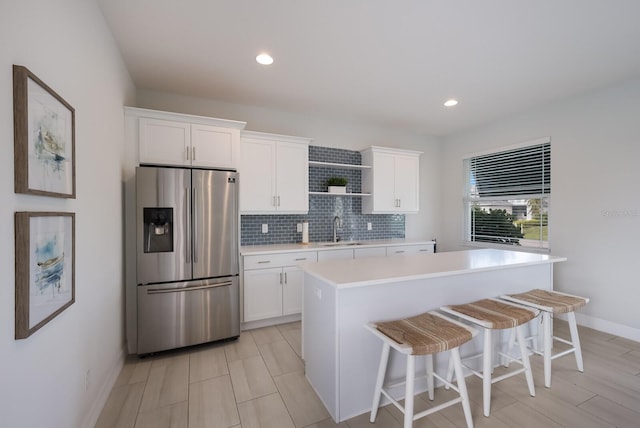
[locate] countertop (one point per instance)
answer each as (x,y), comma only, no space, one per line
(247,250)
(381,270)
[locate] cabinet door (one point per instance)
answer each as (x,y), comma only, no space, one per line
(292,290)
(406,183)
(213,146)
(384,197)
(262,294)
(257,176)
(292,172)
(164,142)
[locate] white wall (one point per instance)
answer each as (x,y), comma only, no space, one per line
(42,378)
(340,133)
(595,208)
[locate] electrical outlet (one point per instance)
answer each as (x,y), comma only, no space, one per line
(265,228)
(299,227)
(369,226)
(87,380)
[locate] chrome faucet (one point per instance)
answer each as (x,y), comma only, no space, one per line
(337,223)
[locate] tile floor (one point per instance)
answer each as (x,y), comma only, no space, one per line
(258,381)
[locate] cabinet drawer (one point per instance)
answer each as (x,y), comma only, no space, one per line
(264,261)
(409,249)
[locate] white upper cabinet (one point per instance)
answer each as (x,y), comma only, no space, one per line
(393,181)
(184,140)
(274,174)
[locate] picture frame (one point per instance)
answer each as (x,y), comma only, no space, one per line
(44,138)
(45,268)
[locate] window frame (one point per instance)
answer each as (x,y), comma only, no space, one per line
(466,200)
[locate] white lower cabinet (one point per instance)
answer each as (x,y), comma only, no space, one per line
(293,278)
(262,294)
(272,285)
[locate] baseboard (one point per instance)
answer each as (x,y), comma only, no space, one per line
(606,326)
(105,390)
(270,321)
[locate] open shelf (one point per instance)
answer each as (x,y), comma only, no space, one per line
(339,194)
(337,165)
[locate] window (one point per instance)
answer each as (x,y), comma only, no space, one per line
(507,195)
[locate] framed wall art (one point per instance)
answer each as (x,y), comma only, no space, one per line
(44,138)
(45,271)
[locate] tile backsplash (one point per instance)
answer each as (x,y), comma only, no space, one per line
(324,208)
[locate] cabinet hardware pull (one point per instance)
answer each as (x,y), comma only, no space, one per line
(188,153)
(264,261)
(278,200)
(193,157)
(195,224)
(285,277)
(399,251)
(273,202)
(187,254)
(302,258)
(193,288)
(281,278)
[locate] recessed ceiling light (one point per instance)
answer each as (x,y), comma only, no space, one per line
(264,59)
(450,103)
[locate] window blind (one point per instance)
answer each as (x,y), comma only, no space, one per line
(507,196)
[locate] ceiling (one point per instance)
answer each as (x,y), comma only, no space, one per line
(384,62)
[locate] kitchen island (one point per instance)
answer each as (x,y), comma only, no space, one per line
(341,296)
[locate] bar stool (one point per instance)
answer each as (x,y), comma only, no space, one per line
(424,334)
(552,303)
(495,314)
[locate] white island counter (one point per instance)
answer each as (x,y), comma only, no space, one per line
(341,296)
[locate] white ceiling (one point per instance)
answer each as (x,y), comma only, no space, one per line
(388,62)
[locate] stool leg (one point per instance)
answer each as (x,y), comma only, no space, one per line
(573,327)
(524,354)
(462,386)
(547,339)
(382,370)
(408,392)
(429,364)
(449,372)
(510,343)
(487,366)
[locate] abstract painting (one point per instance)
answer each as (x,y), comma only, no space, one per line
(45,277)
(44,138)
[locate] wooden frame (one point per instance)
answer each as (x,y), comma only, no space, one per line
(45,268)
(44,138)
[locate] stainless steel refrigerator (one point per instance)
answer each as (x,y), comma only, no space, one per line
(187,257)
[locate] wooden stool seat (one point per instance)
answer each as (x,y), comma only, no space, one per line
(550,301)
(425,334)
(553,303)
(495,314)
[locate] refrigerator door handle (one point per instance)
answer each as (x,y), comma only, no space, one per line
(195,226)
(179,289)
(186,226)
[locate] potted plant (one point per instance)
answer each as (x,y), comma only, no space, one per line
(337,185)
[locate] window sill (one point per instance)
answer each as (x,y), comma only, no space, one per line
(506,247)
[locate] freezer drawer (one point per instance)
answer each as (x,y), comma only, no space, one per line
(187,313)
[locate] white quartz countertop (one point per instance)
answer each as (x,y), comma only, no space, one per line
(381,270)
(247,250)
